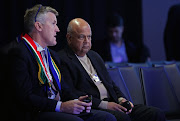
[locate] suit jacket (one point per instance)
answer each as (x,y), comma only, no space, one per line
(78,79)
(29,95)
(135,53)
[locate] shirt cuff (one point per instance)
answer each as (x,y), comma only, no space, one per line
(58,106)
(103,105)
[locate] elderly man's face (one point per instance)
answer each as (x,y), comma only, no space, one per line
(80,40)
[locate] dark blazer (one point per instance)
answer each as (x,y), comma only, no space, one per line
(135,53)
(29,95)
(78,79)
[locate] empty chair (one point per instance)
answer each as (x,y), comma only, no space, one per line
(115,65)
(153,63)
(174,76)
(137,66)
(178,64)
(132,81)
(159,91)
(119,82)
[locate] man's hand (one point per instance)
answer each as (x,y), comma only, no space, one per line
(75,106)
(88,108)
(124,100)
(81,98)
(115,107)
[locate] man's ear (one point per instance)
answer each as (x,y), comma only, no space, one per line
(68,37)
(38,26)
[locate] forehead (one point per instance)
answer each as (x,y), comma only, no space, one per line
(83,30)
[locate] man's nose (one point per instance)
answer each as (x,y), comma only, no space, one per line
(87,38)
(57,29)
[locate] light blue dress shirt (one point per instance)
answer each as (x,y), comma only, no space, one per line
(118,54)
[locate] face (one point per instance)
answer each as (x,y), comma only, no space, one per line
(49,30)
(80,40)
(115,33)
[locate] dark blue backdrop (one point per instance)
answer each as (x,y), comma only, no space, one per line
(93,11)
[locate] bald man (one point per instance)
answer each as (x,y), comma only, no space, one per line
(86,74)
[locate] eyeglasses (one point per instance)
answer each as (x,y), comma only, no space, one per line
(38,12)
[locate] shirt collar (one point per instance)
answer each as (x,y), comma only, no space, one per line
(85,56)
(39,47)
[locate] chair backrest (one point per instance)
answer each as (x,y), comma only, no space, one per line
(158,89)
(174,76)
(178,64)
(119,82)
(132,80)
(153,63)
(115,65)
(137,66)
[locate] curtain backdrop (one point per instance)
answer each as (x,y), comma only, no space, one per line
(93,11)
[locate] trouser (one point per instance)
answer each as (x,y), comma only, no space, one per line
(96,115)
(140,113)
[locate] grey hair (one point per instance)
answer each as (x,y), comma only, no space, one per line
(36,13)
(69,28)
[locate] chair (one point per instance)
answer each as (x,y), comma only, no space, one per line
(137,66)
(178,64)
(159,91)
(119,82)
(109,64)
(132,80)
(153,63)
(174,76)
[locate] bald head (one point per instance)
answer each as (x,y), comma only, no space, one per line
(76,24)
(79,36)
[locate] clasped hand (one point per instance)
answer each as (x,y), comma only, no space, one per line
(118,107)
(76,106)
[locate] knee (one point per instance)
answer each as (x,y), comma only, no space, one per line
(155,114)
(103,116)
(122,116)
(110,117)
(159,115)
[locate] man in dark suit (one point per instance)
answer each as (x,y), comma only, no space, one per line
(39,91)
(171,34)
(85,72)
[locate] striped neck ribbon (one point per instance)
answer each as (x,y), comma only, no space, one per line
(42,73)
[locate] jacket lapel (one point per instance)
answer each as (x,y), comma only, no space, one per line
(75,60)
(95,65)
